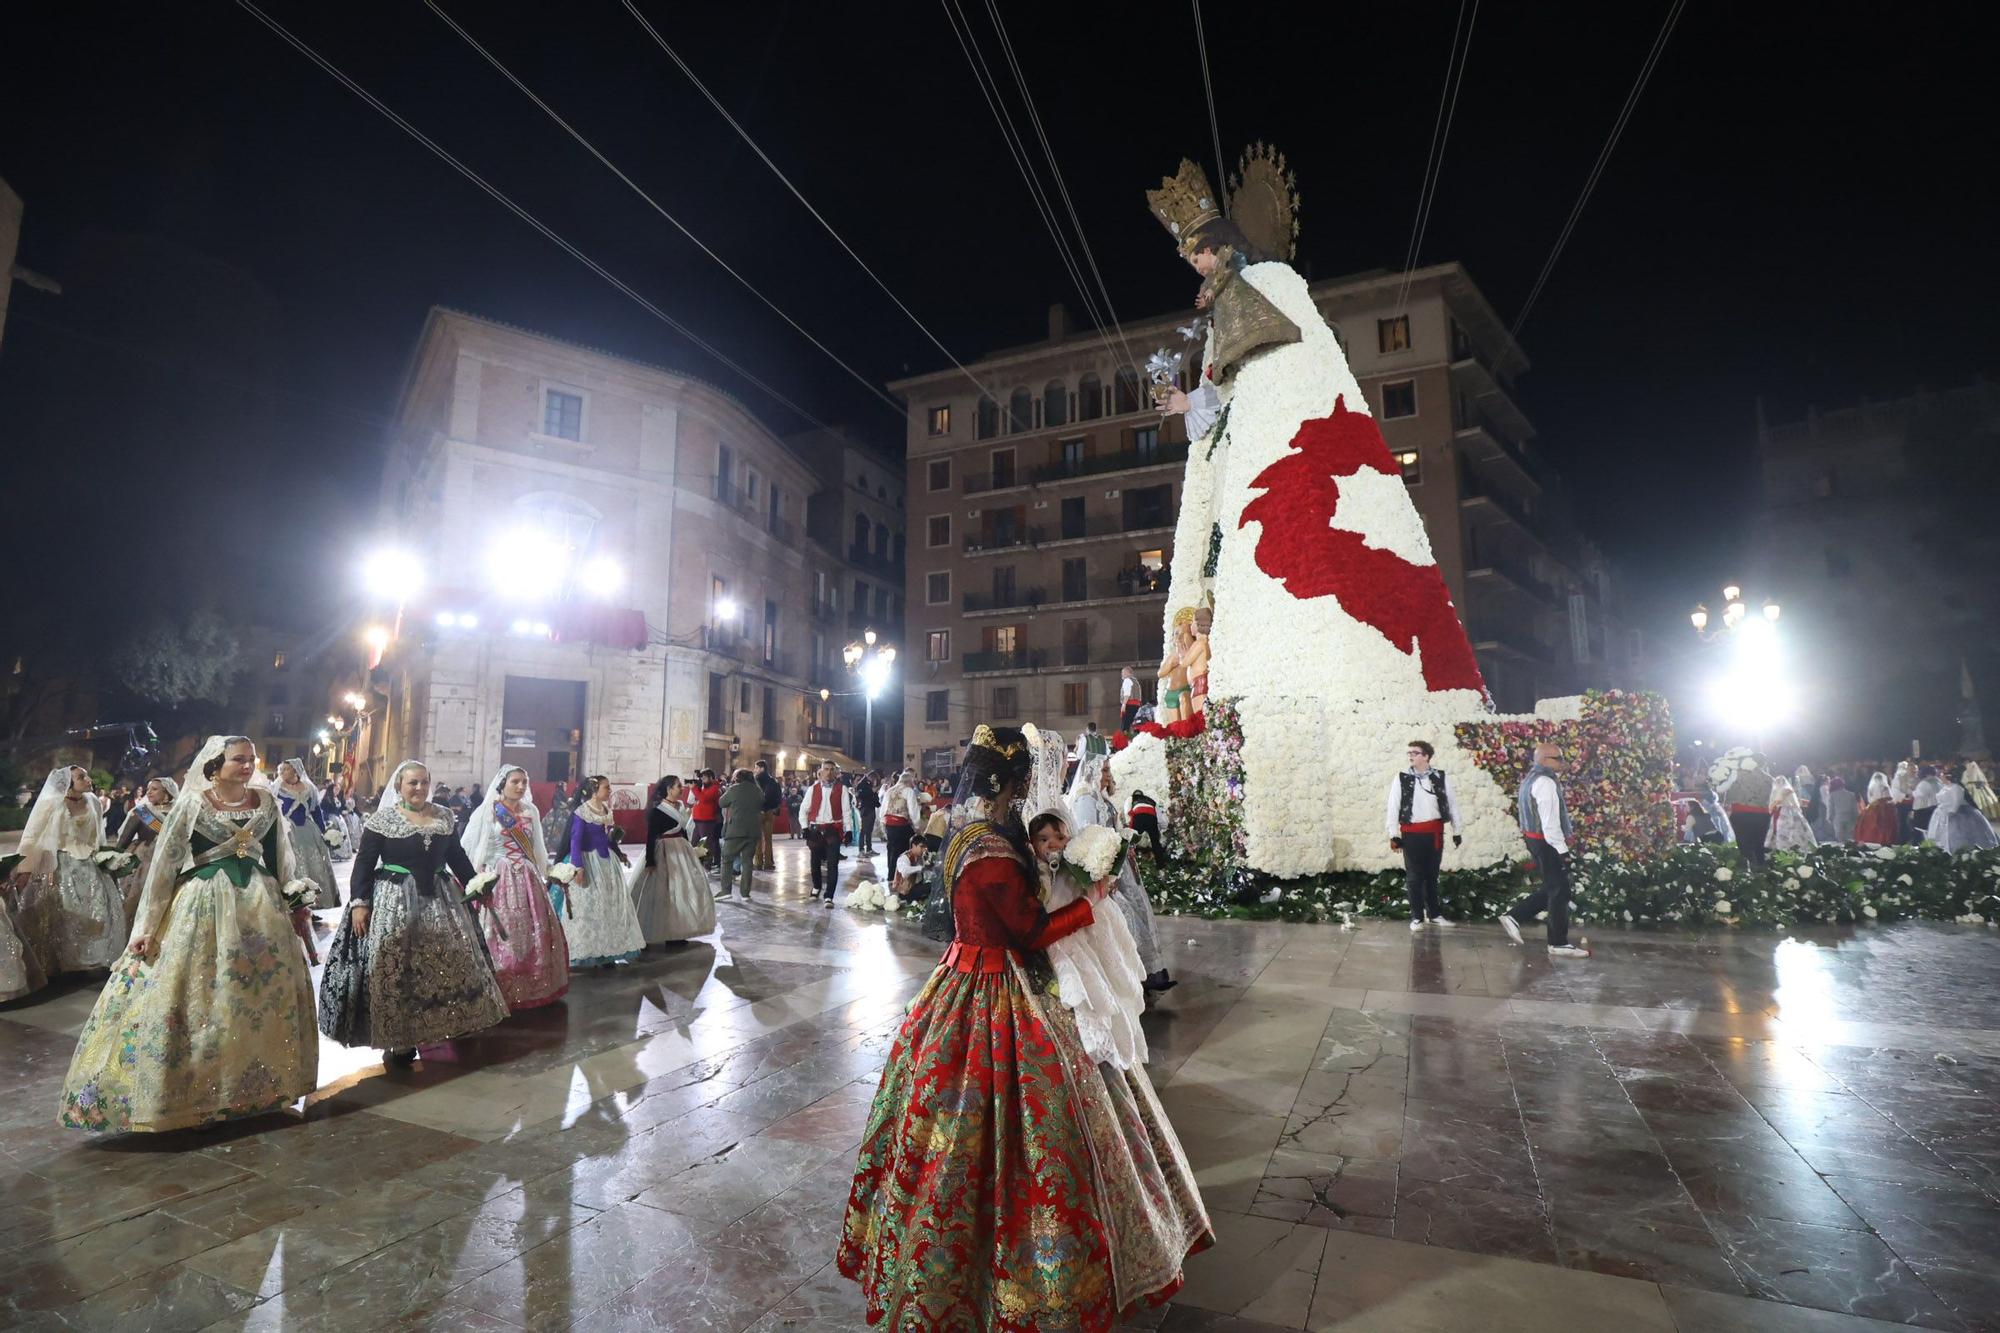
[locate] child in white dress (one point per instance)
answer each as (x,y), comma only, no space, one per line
(1098,973)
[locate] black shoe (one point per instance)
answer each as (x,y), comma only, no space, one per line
(1160,981)
(408,1057)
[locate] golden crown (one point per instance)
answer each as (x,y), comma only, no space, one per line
(1184,204)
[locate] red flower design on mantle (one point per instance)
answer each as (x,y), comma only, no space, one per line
(1406,604)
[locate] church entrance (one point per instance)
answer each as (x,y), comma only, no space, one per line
(541,727)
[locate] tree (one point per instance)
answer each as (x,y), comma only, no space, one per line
(176,662)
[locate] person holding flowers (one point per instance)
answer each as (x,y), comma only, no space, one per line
(503,841)
(408,967)
(603,926)
(306,825)
(1005,1179)
(209,1015)
(140,831)
(671,895)
(68,906)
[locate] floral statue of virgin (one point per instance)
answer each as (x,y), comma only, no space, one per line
(1333,634)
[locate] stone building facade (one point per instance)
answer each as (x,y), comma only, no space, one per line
(614,573)
(1042,508)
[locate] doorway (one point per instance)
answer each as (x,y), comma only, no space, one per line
(541,727)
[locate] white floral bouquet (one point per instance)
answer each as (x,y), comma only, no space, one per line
(299,893)
(479,893)
(334,835)
(116,863)
(565,874)
(869,896)
(1096,851)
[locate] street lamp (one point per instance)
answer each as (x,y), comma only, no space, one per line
(1735,614)
(871,664)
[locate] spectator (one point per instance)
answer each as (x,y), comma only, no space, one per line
(742,808)
(705,808)
(774,798)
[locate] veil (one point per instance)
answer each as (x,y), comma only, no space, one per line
(1045,779)
(1783,793)
(41,836)
(310,793)
(482,835)
(1086,792)
(1878,788)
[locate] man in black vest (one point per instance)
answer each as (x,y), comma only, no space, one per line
(1421,807)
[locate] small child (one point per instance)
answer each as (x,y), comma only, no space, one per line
(1098,973)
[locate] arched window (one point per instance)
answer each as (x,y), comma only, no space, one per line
(989,418)
(860,534)
(1089,398)
(1055,403)
(1127,391)
(1020,411)
(882,540)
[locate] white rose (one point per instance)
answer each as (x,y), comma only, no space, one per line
(1791,885)
(1722,907)
(1867,874)
(1724,873)
(1904,879)
(1805,872)
(1868,910)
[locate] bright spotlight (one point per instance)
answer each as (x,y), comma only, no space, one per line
(868,636)
(466,620)
(887,654)
(527,564)
(446,619)
(376,637)
(521,627)
(603,576)
(1771,612)
(542,629)
(391,574)
(875,675)
(726,608)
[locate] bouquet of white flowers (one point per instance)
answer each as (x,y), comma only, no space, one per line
(565,874)
(116,863)
(868,896)
(334,835)
(1096,851)
(299,896)
(479,892)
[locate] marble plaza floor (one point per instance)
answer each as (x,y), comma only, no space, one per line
(1394,1132)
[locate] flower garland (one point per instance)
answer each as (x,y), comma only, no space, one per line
(1691,886)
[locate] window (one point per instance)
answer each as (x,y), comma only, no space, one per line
(1146,443)
(1001,639)
(882,540)
(1072,456)
(1076,697)
(718,701)
(770,632)
(988,424)
(1006,701)
(1838,566)
(277,727)
(562,414)
(1089,398)
(940,474)
(937,588)
(721,609)
(743,697)
(860,535)
(1126,383)
(1399,399)
(937,705)
(751,481)
(1072,517)
(937,646)
(937,531)
(771,731)
(1412,470)
(1055,403)
(1149,507)
(1003,468)
(1075,580)
(1076,642)
(776,513)
(1003,586)
(1020,411)
(1393,335)
(279,695)
(941,420)
(725,474)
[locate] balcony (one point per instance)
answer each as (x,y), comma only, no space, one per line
(982,483)
(1068,658)
(1483,444)
(1021,659)
(1097,591)
(1484,503)
(1509,576)
(1091,529)
(863,558)
(1125,460)
(825,737)
(785,531)
(1511,638)
(1003,541)
(1472,375)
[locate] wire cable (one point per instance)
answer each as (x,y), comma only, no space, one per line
(1440,135)
(1617,130)
(818,217)
(299,45)
(898,408)
(1208,86)
(1035,119)
(983,76)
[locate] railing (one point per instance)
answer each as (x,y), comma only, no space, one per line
(1515,573)
(1025,536)
(785,531)
(1022,659)
(1101,526)
(1095,590)
(1508,634)
(825,736)
(1123,460)
(861,555)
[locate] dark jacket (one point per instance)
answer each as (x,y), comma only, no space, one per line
(774,795)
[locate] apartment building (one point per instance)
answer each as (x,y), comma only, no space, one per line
(1042,506)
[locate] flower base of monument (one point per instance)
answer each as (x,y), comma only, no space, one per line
(1693,886)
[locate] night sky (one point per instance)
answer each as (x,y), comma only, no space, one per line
(247,250)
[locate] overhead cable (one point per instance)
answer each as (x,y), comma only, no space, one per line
(299,45)
(1440,134)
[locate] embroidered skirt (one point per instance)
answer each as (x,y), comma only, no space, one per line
(314,861)
(419,976)
(599,919)
(217,1025)
(1005,1181)
(72,918)
(532,963)
(671,896)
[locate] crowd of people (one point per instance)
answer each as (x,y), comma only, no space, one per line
(1885,804)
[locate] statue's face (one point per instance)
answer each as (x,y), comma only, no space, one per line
(1205,262)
